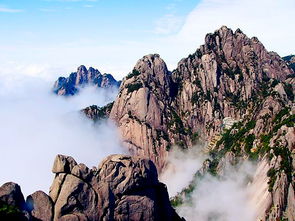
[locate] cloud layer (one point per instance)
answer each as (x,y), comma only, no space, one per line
(36,126)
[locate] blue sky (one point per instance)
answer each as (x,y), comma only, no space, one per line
(47,38)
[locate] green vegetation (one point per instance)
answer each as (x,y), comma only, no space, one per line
(289,91)
(272,174)
(176,201)
(133,87)
(249,143)
(195,98)
(177,123)
(8,212)
(194,138)
(213,166)
(133,74)
(98,113)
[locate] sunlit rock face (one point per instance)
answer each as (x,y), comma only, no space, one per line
(232,77)
(83,77)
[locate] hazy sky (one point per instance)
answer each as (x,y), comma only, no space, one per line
(48,38)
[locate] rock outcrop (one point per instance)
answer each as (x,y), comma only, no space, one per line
(81,78)
(141,108)
(232,77)
(120,188)
(224,78)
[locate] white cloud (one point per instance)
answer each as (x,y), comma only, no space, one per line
(181,168)
(37,125)
(269,20)
(168,24)
(221,199)
(10,10)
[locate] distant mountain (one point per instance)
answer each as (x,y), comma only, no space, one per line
(82,77)
(290,59)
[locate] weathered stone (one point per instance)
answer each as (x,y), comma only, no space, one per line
(82,171)
(56,186)
(63,164)
(40,206)
(10,193)
(76,196)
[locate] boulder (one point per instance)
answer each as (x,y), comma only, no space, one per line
(40,206)
(63,164)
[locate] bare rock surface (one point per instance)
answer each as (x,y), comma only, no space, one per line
(40,206)
(121,188)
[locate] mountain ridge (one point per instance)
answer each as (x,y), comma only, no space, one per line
(81,78)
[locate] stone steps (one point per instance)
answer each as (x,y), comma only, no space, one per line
(212,143)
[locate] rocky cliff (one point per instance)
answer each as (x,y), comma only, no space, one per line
(231,91)
(120,188)
(82,77)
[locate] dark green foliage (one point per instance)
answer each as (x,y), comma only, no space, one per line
(289,91)
(198,83)
(208,95)
(195,137)
(229,73)
(213,167)
(265,140)
(272,174)
(195,98)
(134,87)
(98,113)
(274,83)
(249,143)
(133,74)
(176,201)
(168,147)
(178,125)
(286,163)
(280,115)
(8,212)
(250,125)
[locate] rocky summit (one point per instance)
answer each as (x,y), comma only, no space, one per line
(81,78)
(120,188)
(232,94)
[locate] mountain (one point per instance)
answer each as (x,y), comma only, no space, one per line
(290,59)
(82,77)
(121,188)
(232,94)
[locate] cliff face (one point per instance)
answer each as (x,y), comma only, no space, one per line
(224,78)
(141,109)
(121,188)
(232,93)
(82,77)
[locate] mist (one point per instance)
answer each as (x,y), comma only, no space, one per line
(181,168)
(221,199)
(36,125)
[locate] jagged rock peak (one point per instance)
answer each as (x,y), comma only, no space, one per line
(81,78)
(152,65)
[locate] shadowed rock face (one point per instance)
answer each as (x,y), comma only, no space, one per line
(81,78)
(122,188)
